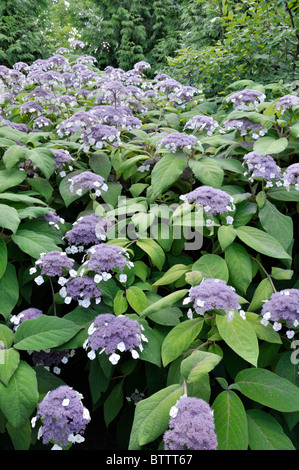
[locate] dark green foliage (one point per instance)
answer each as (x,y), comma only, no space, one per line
(21,38)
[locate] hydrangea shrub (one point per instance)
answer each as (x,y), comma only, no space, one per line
(148,260)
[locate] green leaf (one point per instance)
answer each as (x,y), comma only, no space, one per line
(226,235)
(34,243)
(287,367)
(268,389)
(166,172)
(276,224)
(137,299)
(179,339)
(100,163)
(230,422)
(42,186)
(172,275)
(239,336)
(281,274)
(11,178)
(44,332)
(198,364)
(19,399)
(3,257)
(64,188)
(207,171)
(262,242)
(167,301)
(6,337)
(261,293)
(270,145)
(281,194)
(239,266)
(9,361)
(212,266)
(169,316)
(9,218)
(265,433)
(43,158)
(120,303)
(265,333)
(9,290)
(20,436)
(154,251)
(12,155)
(113,403)
(151,418)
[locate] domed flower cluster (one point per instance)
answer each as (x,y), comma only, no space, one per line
(262,167)
(213,201)
(63,159)
(291,176)
(103,259)
(282,307)
(191,426)
(111,334)
(244,126)
(63,416)
(178,141)
(82,289)
(213,294)
(99,136)
(53,219)
(87,180)
(286,102)
(242,99)
(28,314)
(51,358)
(202,123)
(87,230)
(54,263)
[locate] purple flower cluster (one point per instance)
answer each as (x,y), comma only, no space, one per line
(31,107)
(282,306)
(54,263)
(82,289)
(52,358)
(99,136)
(87,230)
(262,167)
(64,418)
(202,123)
(103,259)
(213,201)
(53,219)
(109,333)
(243,98)
(291,176)
(244,126)
(287,102)
(28,314)
(213,294)
(178,141)
(191,426)
(78,121)
(87,180)
(62,160)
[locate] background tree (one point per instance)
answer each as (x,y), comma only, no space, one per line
(21,36)
(256,40)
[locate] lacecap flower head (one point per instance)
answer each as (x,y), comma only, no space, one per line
(112,334)
(28,314)
(54,263)
(287,102)
(83,289)
(241,99)
(213,294)
(202,123)
(191,426)
(64,418)
(282,307)
(103,259)
(213,201)
(178,141)
(87,180)
(87,230)
(260,166)
(291,176)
